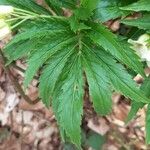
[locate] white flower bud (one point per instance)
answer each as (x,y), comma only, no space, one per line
(5,10)
(4,32)
(4,29)
(141,46)
(143,39)
(2,23)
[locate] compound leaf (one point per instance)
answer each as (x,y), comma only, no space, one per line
(135,106)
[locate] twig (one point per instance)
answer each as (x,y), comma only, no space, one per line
(15,83)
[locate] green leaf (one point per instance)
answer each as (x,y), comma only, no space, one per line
(35,33)
(40,56)
(145,87)
(86,9)
(109,9)
(68,98)
(148,125)
(98,83)
(103,37)
(82,13)
(142,23)
(141,5)
(135,106)
(51,72)
(28,41)
(26,4)
(119,78)
(19,50)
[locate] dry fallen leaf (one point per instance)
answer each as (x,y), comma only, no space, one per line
(101,128)
(2,94)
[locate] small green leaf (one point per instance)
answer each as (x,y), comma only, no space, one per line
(135,106)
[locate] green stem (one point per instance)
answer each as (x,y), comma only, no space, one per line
(24,11)
(52,17)
(52,11)
(12,19)
(17,24)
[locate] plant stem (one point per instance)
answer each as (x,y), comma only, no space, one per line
(31,14)
(24,11)
(15,82)
(17,24)
(52,17)
(52,11)
(26,17)
(12,19)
